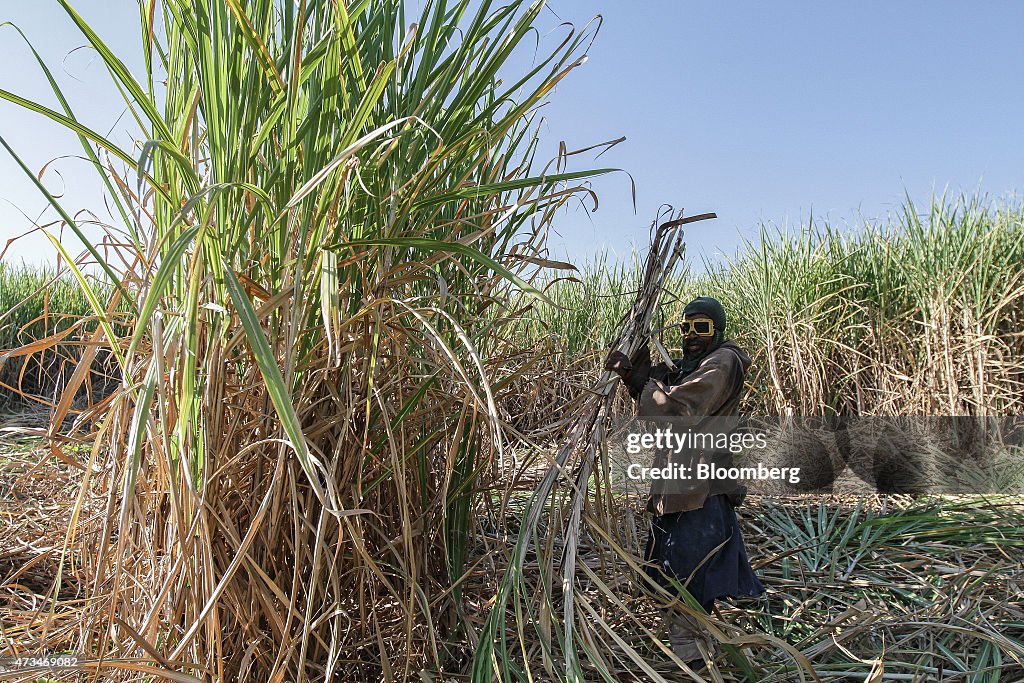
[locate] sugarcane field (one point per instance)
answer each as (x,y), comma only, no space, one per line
(522,342)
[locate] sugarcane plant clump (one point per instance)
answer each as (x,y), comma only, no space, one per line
(328,211)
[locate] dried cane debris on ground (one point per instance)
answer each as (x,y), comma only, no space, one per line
(931,587)
(41,595)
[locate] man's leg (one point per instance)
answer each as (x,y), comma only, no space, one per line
(683,633)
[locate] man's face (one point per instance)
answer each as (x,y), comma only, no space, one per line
(693,343)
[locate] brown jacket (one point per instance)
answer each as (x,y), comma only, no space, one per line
(714,389)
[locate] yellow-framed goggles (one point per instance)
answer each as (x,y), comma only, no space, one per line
(701,327)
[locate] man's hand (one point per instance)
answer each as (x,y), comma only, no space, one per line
(618,363)
(634,372)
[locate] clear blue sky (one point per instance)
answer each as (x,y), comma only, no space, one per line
(762,112)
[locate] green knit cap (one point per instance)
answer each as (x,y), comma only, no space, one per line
(709,307)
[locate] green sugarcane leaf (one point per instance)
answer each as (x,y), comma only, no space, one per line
(279,394)
(257,45)
(370,100)
(70,124)
(121,72)
(169,264)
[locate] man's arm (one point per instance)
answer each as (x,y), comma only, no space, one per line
(702,392)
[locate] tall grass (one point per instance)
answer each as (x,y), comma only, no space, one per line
(919,315)
(37,304)
(327,217)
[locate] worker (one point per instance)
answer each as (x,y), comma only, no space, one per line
(692,518)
